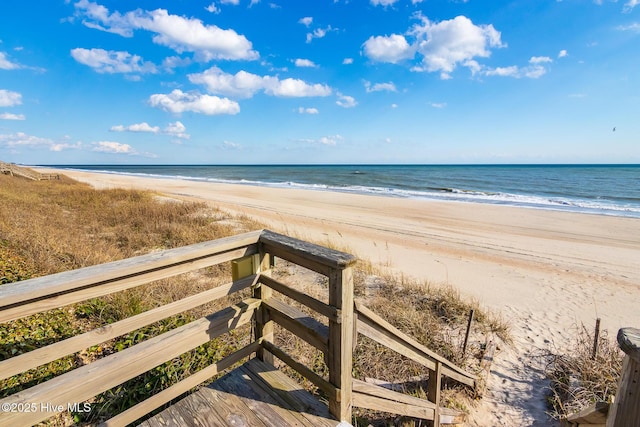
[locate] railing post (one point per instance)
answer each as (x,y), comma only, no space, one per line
(264,325)
(341,342)
(625,410)
(434,387)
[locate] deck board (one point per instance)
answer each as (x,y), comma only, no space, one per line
(254,394)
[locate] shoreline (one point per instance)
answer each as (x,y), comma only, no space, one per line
(545,271)
(437,194)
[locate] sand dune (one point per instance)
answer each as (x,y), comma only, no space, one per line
(546,271)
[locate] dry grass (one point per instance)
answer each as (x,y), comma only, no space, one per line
(47,227)
(577,379)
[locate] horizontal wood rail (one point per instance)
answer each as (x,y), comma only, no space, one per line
(13,169)
(335,336)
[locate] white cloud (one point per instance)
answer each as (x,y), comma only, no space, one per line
(306,21)
(303,110)
(540,59)
(239,85)
(628,6)
(113,147)
(139,127)
(562,53)
(172,62)
(384,3)
(319,33)
(346,101)
(9,98)
(446,44)
(178,102)
(347,61)
(379,87)
(177,130)
(325,140)
(182,34)
(11,116)
(634,27)
(111,61)
(6,64)
(532,71)
(245,85)
(393,48)
(438,104)
(304,63)
(212,8)
(229,145)
(293,88)
(21,139)
(233,2)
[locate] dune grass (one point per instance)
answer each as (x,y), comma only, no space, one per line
(52,226)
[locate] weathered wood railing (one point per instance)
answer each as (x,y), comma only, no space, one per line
(12,169)
(335,338)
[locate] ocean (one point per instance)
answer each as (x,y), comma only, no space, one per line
(595,189)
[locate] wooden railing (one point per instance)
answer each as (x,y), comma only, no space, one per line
(335,337)
(13,169)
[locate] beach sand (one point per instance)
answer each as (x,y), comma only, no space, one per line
(545,271)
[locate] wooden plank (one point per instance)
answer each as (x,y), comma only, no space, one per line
(258,399)
(379,404)
(89,380)
(340,354)
(157,400)
(312,253)
(96,288)
(288,392)
(434,389)
(40,287)
(264,326)
(316,379)
(304,299)
(229,408)
(300,324)
(625,409)
(629,342)
(594,414)
(35,358)
(403,341)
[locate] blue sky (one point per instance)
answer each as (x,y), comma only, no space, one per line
(378,81)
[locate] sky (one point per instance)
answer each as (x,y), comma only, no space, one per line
(322,81)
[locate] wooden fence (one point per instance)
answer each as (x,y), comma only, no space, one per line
(336,337)
(13,169)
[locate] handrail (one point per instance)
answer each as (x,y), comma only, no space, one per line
(381,331)
(334,338)
(26,172)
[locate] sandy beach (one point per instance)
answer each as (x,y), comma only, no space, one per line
(545,271)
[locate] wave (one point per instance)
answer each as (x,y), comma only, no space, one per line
(622,207)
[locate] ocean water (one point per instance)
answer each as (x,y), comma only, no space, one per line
(596,189)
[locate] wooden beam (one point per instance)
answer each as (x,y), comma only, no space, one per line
(625,410)
(89,380)
(60,283)
(304,299)
(316,379)
(48,286)
(308,255)
(404,342)
(300,324)
(264,330)
(157,400)
(340,352)
(40,356)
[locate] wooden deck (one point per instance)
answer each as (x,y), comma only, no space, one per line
(254,394)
